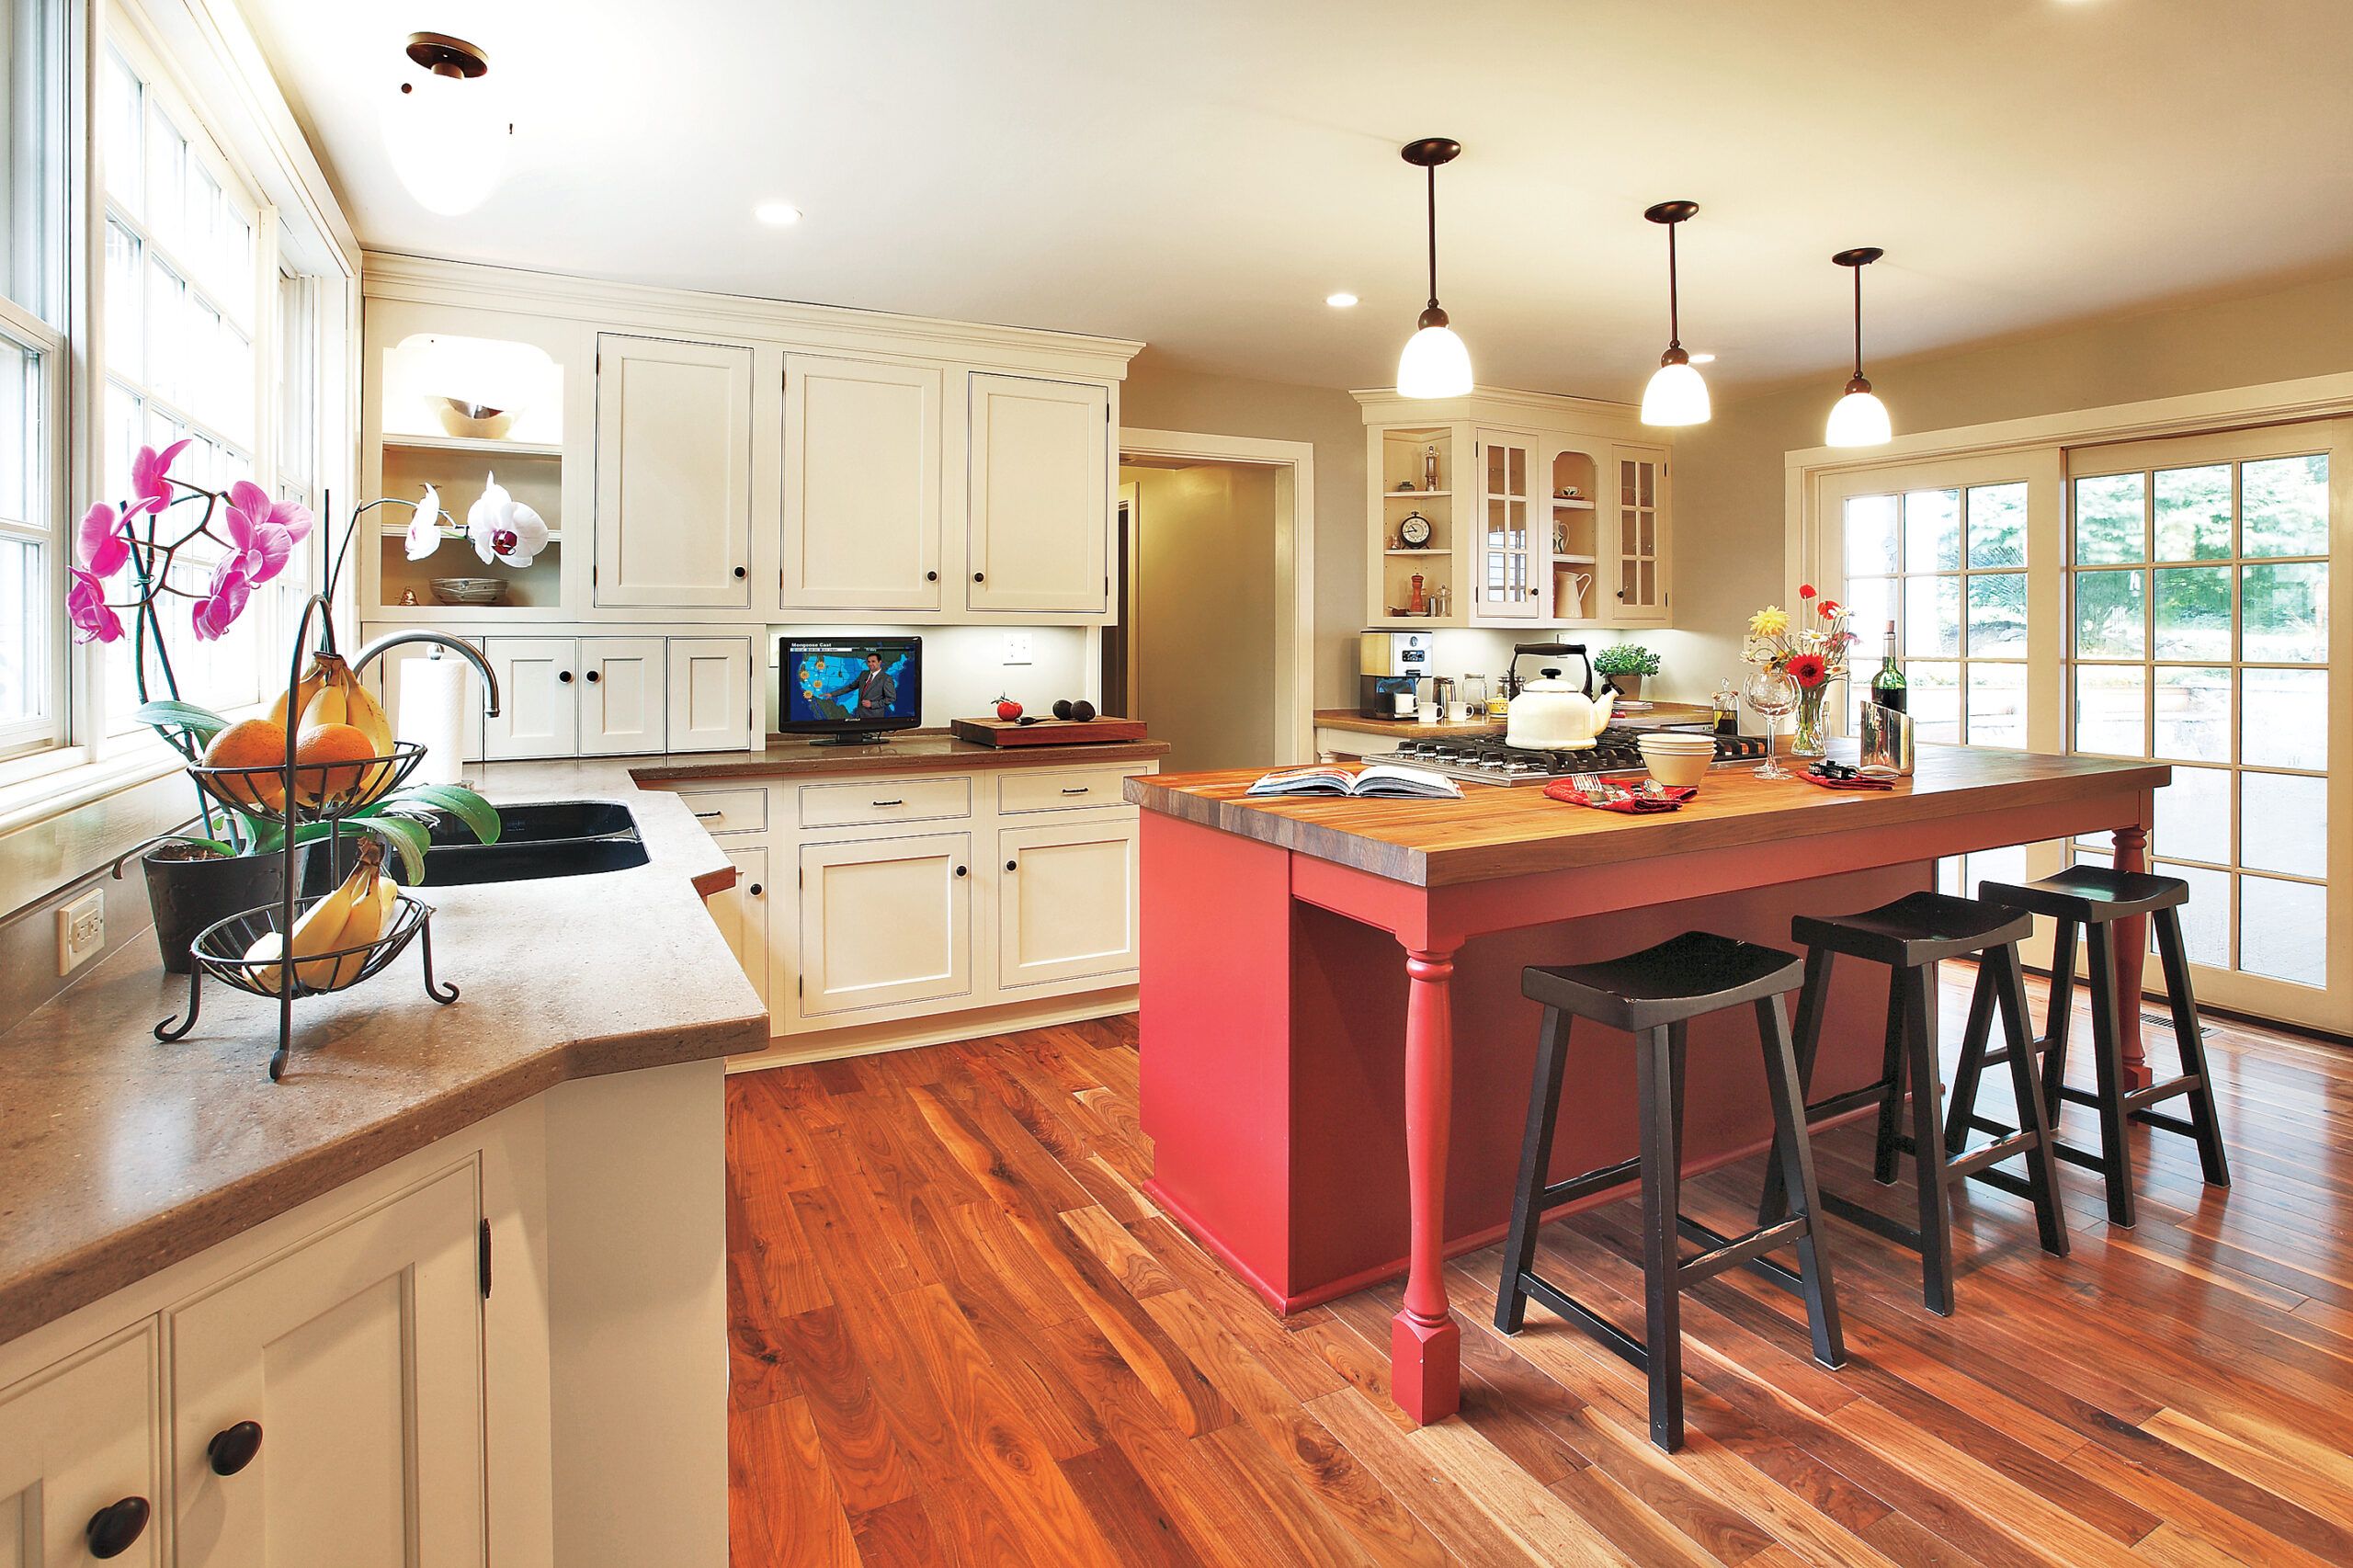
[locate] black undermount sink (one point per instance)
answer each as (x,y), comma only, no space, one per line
(536,839)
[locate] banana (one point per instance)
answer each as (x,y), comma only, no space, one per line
(307,688)
(352,914)
(341,698)
(328,705)
(365,923)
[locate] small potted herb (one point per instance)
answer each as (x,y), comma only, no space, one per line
(1624,666)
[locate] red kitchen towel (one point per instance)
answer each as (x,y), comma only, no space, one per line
(1561,790)
(1857,782)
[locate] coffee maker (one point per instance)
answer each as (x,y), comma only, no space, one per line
(1389,667)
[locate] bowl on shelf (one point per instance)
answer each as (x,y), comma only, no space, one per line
(468,590)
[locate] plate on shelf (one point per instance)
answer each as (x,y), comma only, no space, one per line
(468,590)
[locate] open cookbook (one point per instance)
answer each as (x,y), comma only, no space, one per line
(1382,779)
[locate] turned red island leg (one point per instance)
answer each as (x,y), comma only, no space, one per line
(2131,952)
(1425,1344)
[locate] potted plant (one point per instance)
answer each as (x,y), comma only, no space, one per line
(232,858)
(1624,665)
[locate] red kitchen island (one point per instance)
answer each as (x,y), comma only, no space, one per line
(1335,1052)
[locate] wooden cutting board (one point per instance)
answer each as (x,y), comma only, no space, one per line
(1046,731)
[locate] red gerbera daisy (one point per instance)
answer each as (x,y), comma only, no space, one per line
(1808,670)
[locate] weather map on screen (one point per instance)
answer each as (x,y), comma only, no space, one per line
(876,681)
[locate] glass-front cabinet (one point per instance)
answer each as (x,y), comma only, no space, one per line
(1640,545)
(1505,582)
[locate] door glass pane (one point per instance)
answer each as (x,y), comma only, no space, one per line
(2110,622)
(2109,519)
(2206,918)
(2285,507)
(2283,822)
(2283,929)
(1931,617)
(1996,525)
(2194,714)
(1997,705)
(1998,615)
(2286,613)
(1871,536)
(2193,612)
(1932,530)
(2287,719)
(1935,696)
(2194,815)
(1870,605)
(2193,508)
(2110,710)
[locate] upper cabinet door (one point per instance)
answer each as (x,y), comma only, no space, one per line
(1506,556)
(1638,486)
(861,485)
(1041,495)
(673,474)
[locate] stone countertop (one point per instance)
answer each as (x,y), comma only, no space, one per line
(910,751)
(121,1155)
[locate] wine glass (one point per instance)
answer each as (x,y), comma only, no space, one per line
(1771,694)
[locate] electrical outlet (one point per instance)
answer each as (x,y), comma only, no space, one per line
(1016,647)
(81,930)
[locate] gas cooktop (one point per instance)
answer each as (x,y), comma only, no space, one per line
(1488,759)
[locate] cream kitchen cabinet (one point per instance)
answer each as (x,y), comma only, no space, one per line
(78,1460)
(623,692)
(538,712)
(1637,487)
(884,921)
(617,695)
(1038,496)
(673,474)
(327,1406)
(1067,900)
(742,911)
(709,706)
(862,490)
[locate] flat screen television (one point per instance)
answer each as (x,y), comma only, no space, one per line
(843,690)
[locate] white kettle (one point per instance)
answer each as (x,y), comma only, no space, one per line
(1552,715)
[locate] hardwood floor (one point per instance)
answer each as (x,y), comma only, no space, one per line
(961,1334)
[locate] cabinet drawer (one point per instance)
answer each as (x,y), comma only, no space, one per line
(1055,790)
(728,811)
(886,799)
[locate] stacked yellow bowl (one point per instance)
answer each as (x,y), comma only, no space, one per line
(1678,758)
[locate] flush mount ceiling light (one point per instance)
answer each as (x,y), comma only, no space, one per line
(1435,363)
(1340,301)
(777,214)
(1676,394)
(1859,418)
(444,130)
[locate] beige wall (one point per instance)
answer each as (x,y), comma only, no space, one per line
(1204,612)
(1729,498)
(1159,397)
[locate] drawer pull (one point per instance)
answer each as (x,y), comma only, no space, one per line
(890,802)
(756,890)
(115,1527)
(1078,789)
(705,816)
(234,1448)
(1012,865)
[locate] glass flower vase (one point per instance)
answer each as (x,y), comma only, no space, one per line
(1813,737)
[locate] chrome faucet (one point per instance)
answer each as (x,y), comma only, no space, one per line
(424,634)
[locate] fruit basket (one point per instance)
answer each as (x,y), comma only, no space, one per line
(222,947)
(322,789)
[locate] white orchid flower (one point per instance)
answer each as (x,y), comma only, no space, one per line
(503,529)
(424,526)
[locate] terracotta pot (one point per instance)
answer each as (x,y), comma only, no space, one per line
(189,894)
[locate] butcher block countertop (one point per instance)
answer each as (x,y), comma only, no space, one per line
(909,751)
(1497,830)
(121,1155)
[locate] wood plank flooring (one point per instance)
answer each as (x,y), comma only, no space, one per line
(961,1335)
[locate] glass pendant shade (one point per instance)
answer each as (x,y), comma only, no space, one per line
(1435,364)
(1678,395)
(1859,419)
(448,141)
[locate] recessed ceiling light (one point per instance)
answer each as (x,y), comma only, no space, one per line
(1703,358)
(777,214)
(1340,301)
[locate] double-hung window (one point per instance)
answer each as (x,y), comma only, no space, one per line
(33,160)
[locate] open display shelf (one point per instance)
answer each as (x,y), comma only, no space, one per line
(460,470)
(1576,587)
(1407,455)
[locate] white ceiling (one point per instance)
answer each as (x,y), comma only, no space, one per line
(1201,173)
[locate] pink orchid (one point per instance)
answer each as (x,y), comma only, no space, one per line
(216,609)
(150,476)
(292,515)
(424,526)
(258,546)
(86,602)
(98,542)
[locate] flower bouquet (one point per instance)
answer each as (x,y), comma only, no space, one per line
(1811,655)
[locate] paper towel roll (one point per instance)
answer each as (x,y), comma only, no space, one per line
(433,714)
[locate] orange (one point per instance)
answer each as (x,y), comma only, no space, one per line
(250,743)
(330,743)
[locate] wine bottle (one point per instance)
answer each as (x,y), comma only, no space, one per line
(1888,688)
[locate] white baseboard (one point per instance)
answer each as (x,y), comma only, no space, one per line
(905,1033)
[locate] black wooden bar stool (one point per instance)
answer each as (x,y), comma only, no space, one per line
(1907,935)
(2093,897)
(1652,995)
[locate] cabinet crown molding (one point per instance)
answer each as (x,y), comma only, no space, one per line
(387,274)
(1502,405)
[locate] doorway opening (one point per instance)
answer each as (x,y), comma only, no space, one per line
(1213,648)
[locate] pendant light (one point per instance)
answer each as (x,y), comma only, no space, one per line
(1859,419)
(1435,363)
(444,130)
(1676,394)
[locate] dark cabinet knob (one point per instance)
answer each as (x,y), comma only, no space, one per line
(1009,865)
(959,870)
(234,1448)
(563,675)
(116,1529)
(593,676)
(756,890)
(931,576)
(739,571)
(979,577)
